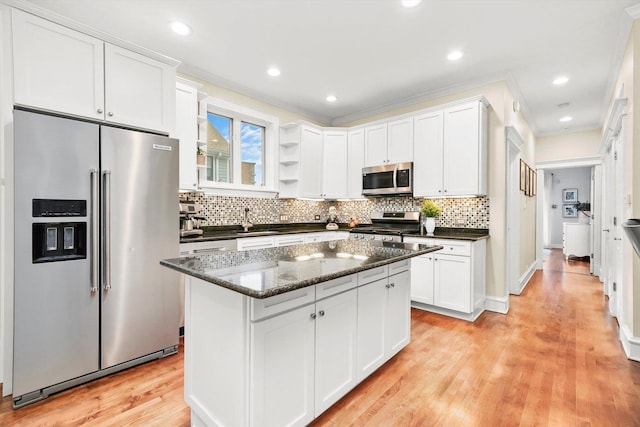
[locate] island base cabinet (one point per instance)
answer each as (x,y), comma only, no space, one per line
(384,321)
(282,369)
(336,339)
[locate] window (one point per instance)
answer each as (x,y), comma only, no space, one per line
(241,148)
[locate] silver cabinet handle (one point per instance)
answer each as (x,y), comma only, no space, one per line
(393,285)
(313,316)
(106,230)
(605,229)
(95,231)
(110,114)
(387,286)
(617,238)
(321,313)
(99,110)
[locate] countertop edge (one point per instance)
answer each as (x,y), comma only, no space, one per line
(296,285)
(472,238)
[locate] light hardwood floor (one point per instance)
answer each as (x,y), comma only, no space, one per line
(554,360)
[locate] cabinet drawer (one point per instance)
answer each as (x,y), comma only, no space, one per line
(335,286)
(454,247)
(399,267)
(261,308)
(372,275)
(420,240)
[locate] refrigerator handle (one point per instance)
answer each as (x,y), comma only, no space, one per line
(106,231)
(95,230)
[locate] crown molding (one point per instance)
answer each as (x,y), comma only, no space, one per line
(514,88)
(633,11)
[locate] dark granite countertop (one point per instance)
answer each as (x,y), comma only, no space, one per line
(262,273)
(235,231)
(472,234)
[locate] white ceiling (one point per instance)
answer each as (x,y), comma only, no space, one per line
(376,55)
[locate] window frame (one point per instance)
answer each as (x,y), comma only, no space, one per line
(271,126)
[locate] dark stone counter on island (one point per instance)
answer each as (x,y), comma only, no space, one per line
(263,273)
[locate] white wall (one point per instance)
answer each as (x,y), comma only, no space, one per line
(579,178)
(568,146)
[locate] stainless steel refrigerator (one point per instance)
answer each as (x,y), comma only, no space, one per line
(95,212)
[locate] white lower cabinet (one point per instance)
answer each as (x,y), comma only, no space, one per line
(285,360)
(450,281)
(384,320)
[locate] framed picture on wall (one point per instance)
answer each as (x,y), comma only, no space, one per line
(570,195)
(569,211)
(532,181)
(523,175)
(535,184)
(527,180)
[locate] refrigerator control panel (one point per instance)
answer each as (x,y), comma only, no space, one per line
(58,208)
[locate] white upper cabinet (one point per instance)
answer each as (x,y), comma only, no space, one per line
(310,162)
(334,159)
(187,133)
(400,141)
(139,91)
(427,153)
(62,70)
(465,150)
(56,68)
(355,159)
(390,142)
(450,151)
(375,145)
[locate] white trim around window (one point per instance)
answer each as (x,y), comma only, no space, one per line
(271,138)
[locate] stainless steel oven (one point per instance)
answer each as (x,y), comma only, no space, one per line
(385,180)
(388,226)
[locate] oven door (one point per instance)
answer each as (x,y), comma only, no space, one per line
(387,179)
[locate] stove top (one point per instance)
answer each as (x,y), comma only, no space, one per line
(391,224)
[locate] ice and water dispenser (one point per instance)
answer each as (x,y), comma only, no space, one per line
(58,240)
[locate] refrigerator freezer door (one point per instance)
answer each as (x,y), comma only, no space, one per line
(140,300)
(55,313)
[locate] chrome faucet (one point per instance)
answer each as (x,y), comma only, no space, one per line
(246,223)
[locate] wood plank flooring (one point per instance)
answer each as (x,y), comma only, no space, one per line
(553,360)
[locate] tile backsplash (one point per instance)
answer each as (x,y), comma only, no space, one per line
(229,210)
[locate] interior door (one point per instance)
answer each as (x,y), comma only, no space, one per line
(616,230)
(140,311)
(56,309)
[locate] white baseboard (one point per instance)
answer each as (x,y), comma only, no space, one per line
(630,343)
(524,279)
(497,304)
(554,246)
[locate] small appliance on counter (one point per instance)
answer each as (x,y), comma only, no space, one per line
(331,224)
(189,219)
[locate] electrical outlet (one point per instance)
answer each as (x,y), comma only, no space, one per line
(317,217)
(284,217)
(460,221)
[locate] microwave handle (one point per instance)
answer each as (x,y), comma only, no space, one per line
(395,177)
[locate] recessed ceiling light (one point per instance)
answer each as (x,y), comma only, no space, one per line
(331,98)
(410,3)
(455,55)
(273,72)
(180,28)
(566,119)
(560,80)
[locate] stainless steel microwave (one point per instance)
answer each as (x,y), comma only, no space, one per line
(386,180)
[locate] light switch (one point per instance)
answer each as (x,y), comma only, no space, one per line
(52,239)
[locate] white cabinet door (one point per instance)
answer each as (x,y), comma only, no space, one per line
(334,170)
(336,339)
(139,91)
(375,145)
(461,151)
(422,279)
(427,154)
(355,158)
(187,133)
(400,140)
(398,321)
(372,312)
(452,280)
(310,162)
(56,68)
(282,369)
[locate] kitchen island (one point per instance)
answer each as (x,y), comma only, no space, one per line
(276,336)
